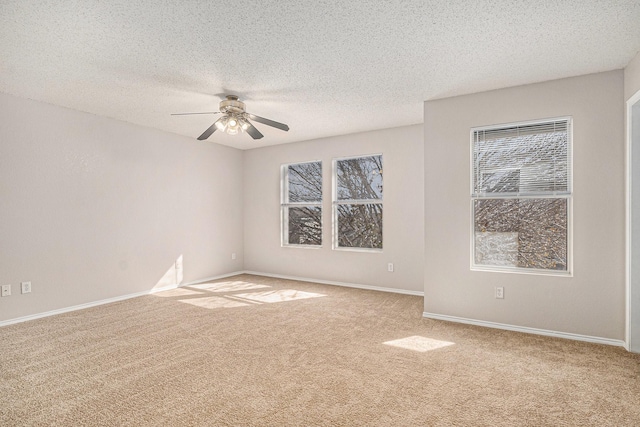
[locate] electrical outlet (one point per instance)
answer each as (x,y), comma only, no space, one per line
(390,267)
(26,287)
(233,255)
(500,292)
(6,290)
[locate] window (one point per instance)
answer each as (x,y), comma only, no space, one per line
(357,203)
(301,206)
(521,196)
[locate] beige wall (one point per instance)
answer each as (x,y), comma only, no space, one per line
(92,208)
(632,77)
(592,301)
(403,211)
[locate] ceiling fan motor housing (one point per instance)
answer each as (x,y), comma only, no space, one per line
(232,105)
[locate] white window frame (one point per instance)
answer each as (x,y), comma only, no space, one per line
(568,195)
(284,204)
(336,203)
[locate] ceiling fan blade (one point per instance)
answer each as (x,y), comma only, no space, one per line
(207,133)
(255,133)
(187,114)
(268,122)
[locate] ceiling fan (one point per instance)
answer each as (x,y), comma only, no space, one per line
(235,119)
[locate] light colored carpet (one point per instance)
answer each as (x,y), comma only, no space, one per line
(255,351)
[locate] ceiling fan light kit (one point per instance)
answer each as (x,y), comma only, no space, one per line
(235,119)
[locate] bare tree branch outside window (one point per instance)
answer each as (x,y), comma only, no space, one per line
(302,204)
(521,194)
(358,204)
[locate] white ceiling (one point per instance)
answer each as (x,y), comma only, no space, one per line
(324,67)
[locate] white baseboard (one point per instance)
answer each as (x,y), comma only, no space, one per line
(208,279)
(107,301)
(527,330)
(331,282)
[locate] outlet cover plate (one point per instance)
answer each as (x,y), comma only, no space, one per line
(26,287)
(6,290)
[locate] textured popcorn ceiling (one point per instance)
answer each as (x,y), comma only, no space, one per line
(324,67)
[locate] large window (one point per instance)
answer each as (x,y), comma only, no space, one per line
(521,196)
(301,205)
(357,203)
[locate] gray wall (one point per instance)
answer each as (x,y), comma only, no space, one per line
(631,87)
(402,150)
(92,208)
(592,301)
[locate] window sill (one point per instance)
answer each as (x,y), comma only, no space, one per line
(367,250)
(514,270)
(302,246)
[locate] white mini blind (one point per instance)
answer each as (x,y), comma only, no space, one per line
(524,159)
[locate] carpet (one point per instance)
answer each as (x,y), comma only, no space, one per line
(257,351)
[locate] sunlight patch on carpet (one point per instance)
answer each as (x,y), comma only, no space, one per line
(278,296)
(418,343)
(229,286)
(214,302)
